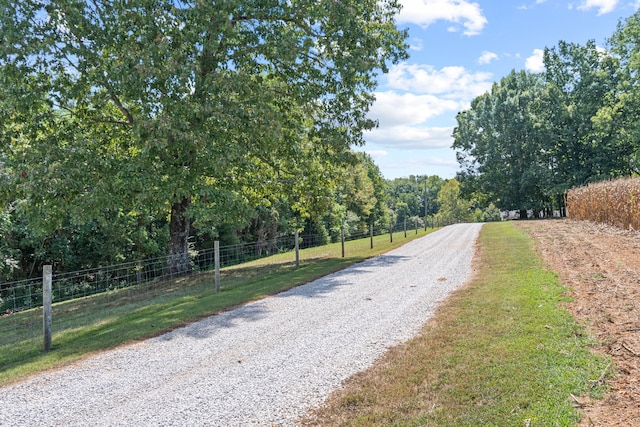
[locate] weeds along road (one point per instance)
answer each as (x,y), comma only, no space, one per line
(265,363)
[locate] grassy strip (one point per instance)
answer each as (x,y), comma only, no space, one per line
(104,321)
(500,352)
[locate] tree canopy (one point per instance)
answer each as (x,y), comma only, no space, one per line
(534,136)
(183,109)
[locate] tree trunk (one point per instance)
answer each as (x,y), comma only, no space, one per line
(179,262)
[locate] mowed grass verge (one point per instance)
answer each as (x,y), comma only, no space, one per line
(502,351)
(100,322)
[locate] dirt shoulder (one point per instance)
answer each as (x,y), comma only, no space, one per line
(601,266)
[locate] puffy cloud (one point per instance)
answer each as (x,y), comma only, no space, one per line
(417,94)
(411,137)
(426,12)
(451,82)
(394,109)
(487,57)
(535,63)
(603,6)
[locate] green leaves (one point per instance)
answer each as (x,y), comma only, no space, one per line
(499,140)
(140,105)
(536,136)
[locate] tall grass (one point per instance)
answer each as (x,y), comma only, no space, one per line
(500,352)
(615,203)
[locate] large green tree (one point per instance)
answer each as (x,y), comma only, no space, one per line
(498,142)
(618,119)
(580,79)
(184,106)
(533,136)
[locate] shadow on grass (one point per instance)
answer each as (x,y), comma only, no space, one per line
(103,321)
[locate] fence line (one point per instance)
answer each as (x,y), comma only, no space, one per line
(27,294)
(145,280)
(149,275)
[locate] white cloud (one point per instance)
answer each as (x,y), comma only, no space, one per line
(535,63)
(452,82)
(487,57)
(410,137)
(394,109)
(603,6)
(426,12)
(416,95)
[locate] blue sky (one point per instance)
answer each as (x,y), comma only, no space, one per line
(458,49)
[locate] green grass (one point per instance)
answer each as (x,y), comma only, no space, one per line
(500,352)
(92,324)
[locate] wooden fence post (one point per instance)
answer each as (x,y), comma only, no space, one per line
(216,256)
(297,237)
(371,234)
(46,305)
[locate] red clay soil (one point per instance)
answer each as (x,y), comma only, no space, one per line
(601,266)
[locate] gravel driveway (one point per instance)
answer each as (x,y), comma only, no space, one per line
(265,363)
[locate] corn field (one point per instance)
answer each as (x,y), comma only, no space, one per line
(615,203)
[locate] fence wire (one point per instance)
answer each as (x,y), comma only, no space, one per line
(92,296)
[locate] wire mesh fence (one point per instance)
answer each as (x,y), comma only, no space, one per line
(93,296)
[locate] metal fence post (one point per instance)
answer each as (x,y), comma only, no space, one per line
(297,237)
(216,256)
(342,240)
(46,305)
(405,228)
(390,233)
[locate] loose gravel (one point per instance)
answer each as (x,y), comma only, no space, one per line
(263,364)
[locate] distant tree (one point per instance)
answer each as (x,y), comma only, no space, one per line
(499,143)
(378,214)
(416,194)
(433,184)
(488,214)
(359,198)
(402,211)
(453,208)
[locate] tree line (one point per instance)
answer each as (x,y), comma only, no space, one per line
(358,199)
(132,129)
(534,136)
(139,129)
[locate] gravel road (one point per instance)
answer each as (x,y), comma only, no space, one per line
(263,364)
